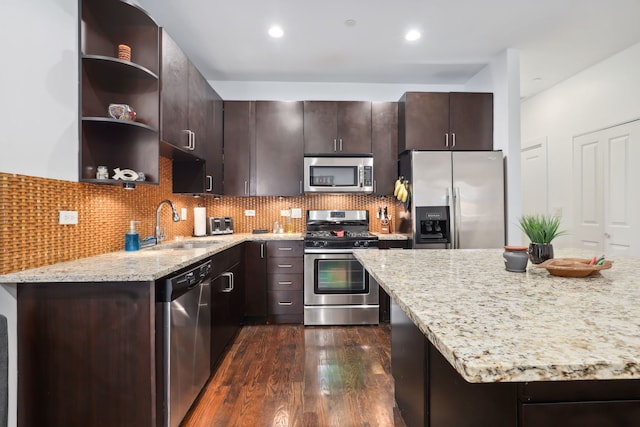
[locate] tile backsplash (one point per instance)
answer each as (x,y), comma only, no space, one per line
(30,235)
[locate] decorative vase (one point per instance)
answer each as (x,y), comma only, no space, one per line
(540,252)
(515,258)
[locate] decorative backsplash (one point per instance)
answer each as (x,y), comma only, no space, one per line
(30,235)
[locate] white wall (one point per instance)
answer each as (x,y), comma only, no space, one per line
(502,77)
(39,87)
(321,91)
(606,94)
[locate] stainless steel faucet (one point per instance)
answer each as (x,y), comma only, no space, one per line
(159,236)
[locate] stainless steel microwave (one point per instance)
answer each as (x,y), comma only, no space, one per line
(338,174)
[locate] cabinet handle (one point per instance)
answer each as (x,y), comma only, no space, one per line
(288,283)
(453,140)
(191,140)
(285,265)
(300,187)
(340,144)
(246,188)
(285,303)
(446,140)
(375,184)
(229,276)
(209,183)
(285,249)
(261,250)
(335,144)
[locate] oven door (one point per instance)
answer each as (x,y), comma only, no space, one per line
(337,278)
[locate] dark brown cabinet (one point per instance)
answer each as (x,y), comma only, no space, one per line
(337,127)
(86,354)
(384,142)
(445,121)
(227,300)
(106,79)
(263,148)
(183,100)
(279,148)
(255,271)
(239,142)
(192,126)
(285,268)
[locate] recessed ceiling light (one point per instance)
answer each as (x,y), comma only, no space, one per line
(412,35)
(276,31)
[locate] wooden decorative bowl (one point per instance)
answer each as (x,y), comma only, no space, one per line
(572,267)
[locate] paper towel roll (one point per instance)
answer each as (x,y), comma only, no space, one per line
(199,221)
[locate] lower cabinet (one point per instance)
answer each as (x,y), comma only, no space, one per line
(285,277)
(86,354)
(255,273)
(227,300)
(385,300)
(431,393)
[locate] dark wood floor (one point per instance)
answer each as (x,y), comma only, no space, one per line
(291,375)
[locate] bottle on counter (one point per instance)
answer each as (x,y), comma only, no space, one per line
(132,238)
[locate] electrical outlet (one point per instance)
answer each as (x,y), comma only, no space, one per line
(183,214)
(285,212)
(249,212)
(68,217)
(296,213)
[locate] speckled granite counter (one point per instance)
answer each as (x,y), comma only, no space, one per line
(496,326)
(144,265)
(391,236)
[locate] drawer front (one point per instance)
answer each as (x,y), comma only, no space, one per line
(285,248)
(285,302)
(285,282)
(285,265)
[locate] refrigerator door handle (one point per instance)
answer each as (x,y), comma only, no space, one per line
(456,219)
(451,204)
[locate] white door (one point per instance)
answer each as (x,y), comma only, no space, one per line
(607,204)
(533,165)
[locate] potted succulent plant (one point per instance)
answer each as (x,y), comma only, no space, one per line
(541,230)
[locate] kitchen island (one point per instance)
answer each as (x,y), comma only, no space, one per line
(473,344)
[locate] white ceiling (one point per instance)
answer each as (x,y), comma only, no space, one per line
(227,39)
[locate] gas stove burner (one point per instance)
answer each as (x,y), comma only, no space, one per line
(339,230)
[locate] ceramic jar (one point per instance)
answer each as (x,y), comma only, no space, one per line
(515,258)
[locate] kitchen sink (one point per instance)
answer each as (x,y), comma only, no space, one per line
(187,244)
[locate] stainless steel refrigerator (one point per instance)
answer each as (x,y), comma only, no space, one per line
(457,199)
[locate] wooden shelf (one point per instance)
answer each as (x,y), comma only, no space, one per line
(110,121)
(111,65)
(106,79)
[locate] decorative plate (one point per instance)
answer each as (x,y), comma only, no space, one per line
(572,267)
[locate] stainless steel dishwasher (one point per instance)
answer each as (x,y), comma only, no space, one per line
(185,301)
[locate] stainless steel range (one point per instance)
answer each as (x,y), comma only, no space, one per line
(337,289)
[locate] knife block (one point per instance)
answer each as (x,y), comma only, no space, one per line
(385,226)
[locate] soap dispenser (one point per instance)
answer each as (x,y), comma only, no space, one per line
(132,238)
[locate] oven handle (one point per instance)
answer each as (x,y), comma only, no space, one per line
(329,251)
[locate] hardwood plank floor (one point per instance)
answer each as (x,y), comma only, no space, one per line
(291,375)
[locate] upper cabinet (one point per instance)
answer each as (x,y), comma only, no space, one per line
(337,127)
(263,148)
(191,128)
(115,74)
(279,148)
(384,139)
(445,121)
(239,143)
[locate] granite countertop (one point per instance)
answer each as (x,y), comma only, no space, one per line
(140,266)
(497,326)
(391,236)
